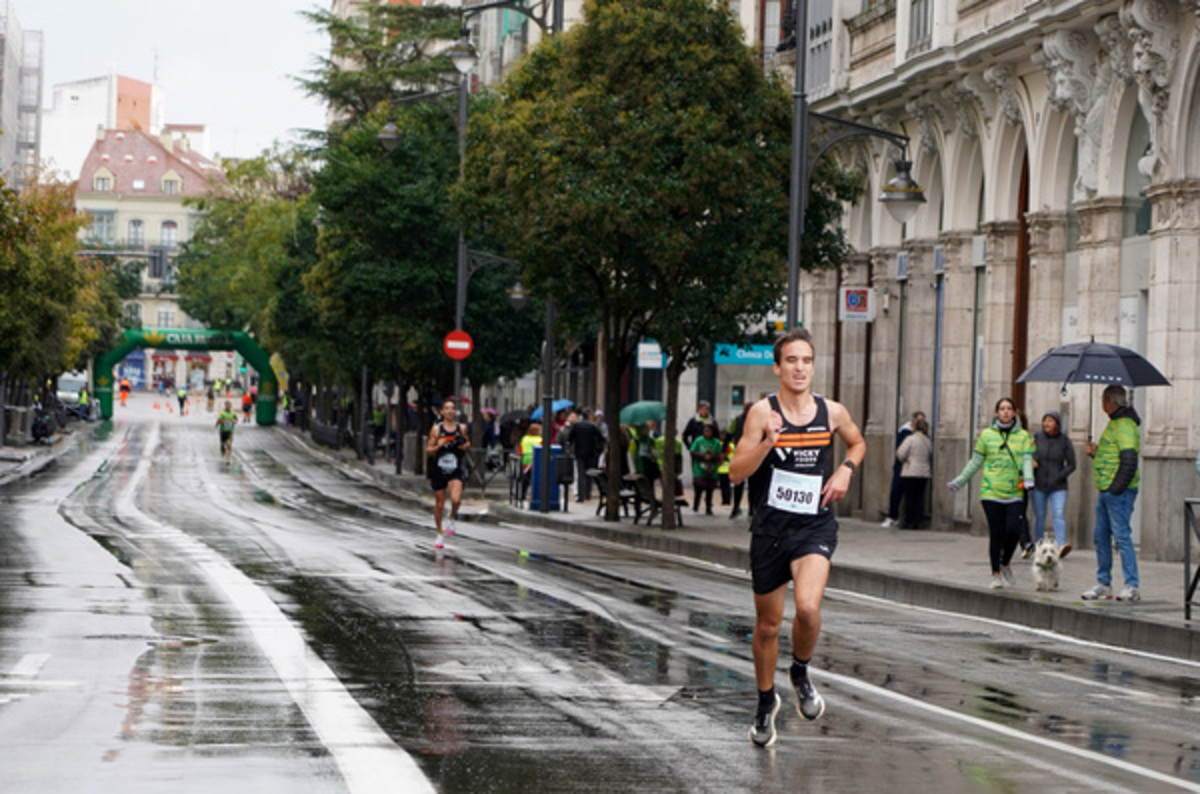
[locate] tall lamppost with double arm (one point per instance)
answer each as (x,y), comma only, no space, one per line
(902,196)
(547,15)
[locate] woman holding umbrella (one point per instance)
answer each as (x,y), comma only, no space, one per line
(1004,451)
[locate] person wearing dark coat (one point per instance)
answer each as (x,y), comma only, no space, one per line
(588,441)
(1053,463)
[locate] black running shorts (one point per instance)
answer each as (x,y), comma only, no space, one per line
(440,479)
(771,555)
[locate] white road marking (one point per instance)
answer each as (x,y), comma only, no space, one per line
(1013,733)
(29,666)
(368,758)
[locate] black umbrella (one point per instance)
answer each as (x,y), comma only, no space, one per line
(513,417)
(1093,362)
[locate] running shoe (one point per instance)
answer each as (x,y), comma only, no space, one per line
(1064,551)
(762,732)
(1100,591)
(451,527)
(997,582)
(1027,552)
(1129,594)
(809,704)
(1007,573)
(439,544)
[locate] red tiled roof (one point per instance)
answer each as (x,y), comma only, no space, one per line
(131,155)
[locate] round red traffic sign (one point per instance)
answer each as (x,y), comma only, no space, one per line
(458,345)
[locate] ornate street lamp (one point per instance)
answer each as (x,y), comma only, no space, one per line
(902,196)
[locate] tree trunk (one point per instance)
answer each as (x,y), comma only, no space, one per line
(670,433)
(612,414)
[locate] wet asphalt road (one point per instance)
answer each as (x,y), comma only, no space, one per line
(172,623)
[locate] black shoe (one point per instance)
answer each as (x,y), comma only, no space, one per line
(809,704)
(708,511)
(762,732)
(1027,552)
(736,513)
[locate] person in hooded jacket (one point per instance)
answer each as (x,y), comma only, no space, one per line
(1053,463)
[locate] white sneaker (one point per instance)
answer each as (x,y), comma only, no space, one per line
(1100,591)
(1007,573)
(888,522)
(451,527)
(1129,594)
(997,582)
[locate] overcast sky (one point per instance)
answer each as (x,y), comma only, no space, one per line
(227,64)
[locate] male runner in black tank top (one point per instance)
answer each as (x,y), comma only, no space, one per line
(787,452)
(446,446)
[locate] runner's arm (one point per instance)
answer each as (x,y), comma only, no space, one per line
(431,446)
(856,449)
(758,436)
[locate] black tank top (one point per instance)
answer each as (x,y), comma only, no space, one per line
(445,437)
(802,450)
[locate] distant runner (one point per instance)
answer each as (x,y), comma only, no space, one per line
(247,405)
(125,387)
(446,447)
(226,421)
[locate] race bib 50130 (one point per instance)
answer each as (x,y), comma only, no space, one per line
(795,493)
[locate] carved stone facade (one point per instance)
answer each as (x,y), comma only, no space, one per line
(1031,138)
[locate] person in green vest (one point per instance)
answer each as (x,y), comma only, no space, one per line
(226,422)
(706,456)
(1004,451)
(1115,473)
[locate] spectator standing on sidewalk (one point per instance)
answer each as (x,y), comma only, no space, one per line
(588,441)
(1115,473)
(695,426)
(1053,463)
(916,467)
(897,491)
(1004,451)
(706,456)
(787,450)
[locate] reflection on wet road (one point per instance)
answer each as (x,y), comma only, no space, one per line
(286,625)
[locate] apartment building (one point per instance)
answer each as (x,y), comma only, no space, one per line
(133,185)
(113,101)
(21,72)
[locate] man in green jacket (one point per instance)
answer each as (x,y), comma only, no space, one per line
(1115,472)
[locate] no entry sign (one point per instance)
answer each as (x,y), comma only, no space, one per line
(458,345)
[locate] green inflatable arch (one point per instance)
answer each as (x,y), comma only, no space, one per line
(268,385)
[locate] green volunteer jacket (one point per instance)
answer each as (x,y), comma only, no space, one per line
(1007,462)
(1121,438)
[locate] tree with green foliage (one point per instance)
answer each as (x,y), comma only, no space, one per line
(381,51)
(638,166)
(58,309)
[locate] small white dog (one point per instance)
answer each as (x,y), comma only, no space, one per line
(1047,564)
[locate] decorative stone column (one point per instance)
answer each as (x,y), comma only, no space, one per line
(1099,283)
(953,434)
(1171,427)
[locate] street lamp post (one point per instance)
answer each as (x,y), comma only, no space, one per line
(902,196)
(465,57)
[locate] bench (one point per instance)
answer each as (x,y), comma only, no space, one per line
(625,494)
(647,503)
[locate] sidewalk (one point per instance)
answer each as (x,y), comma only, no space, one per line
(940,570)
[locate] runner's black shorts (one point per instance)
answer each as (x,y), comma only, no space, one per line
(440,479)
(771,555)
(226,437)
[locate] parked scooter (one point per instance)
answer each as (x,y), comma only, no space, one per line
(43,425)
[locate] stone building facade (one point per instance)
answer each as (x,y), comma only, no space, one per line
(1059,148)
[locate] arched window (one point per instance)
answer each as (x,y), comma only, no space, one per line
(1135,209)
(169,237)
